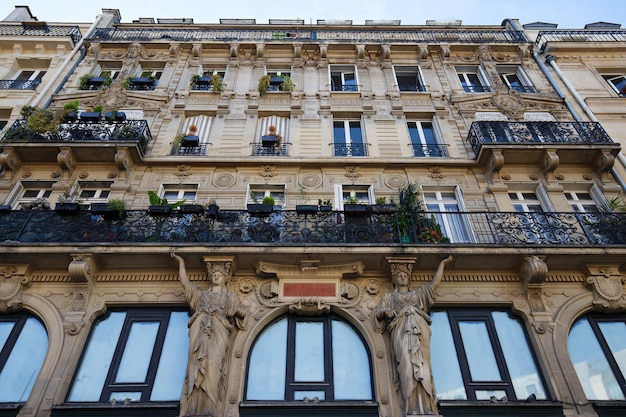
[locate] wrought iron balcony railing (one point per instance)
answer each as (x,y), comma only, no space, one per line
(40,29)
(412,87)
(259,150)
(19,84)
(354,149)
(583,133)
(546,36)
(375,36)
(524,89)
(198,150)
(329,227)
(430,151)
(477,89)
(104,130)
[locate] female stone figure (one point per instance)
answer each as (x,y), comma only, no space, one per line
(216,313)
(404,313)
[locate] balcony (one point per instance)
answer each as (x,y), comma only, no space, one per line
(430,151)
(346,149)
(37,28)
(140,83)
(583,37)
(309,34)
(287,227)
(90,141)
(19,84)
(261,149)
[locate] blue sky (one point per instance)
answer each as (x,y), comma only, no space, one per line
(569,14)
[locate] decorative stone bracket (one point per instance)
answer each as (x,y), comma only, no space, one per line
(13,280)
(607,284)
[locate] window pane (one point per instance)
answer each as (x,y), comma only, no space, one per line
(137,352)
(479,352)
(351,369)
(614,333)
(519,360)
(445,363)
(309,352)
(355,133)
(592,368)
(89,380)
(267,367)
(23,364)
(170,376)
(339,133)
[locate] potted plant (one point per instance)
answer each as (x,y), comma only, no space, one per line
(212,209)
(263,209)
(115,115)
(287,84)
(114,208)
(39,204)
(160,205)
(324,205)
(272,139)
(92,115)
(303,199)
(352,207)
(382,206)
(70,111)
(68,201)
(5,208)
(217,83)
(41,121)
(264,83)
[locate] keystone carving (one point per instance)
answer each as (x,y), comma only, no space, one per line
(607,285)
(13,280)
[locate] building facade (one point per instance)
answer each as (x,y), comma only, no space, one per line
(243,219)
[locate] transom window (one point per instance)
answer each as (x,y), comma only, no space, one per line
(348,138)
(300,359)
(597,347)
(136,355)
(30,193)
(23,346)
(343,78)
(408,78)
(482,355)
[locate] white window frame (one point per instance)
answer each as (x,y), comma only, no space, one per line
(343,70)
(17,194)
(355,190)
(422,138)
(524,201)
(181,191)
(420,86)
(614,77)
(456,228)
(507,71)
(463,71)
(268,190)
(349,142)
(101,190)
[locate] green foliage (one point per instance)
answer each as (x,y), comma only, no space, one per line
(71,106)
(27,111)
(381,200)
(178,140)
(352,200)
(613,205)
(217,82)
(264,83)
(83,80)
(193,82)
(98,109)
(268,200)
(42,121)
(117,204)
(287,84)
(155,200)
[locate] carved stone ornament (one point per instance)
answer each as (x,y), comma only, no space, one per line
(81,268)
(13,281)
(608,292)
(352,172)
(533,270)
(309,306)
(510,103)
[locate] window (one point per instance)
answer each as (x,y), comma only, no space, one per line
(276,78)
(581,202)
(27,79)
(198,141)
(473,80)
(424,140)
(348,138)
(298,358)
(448,209)
(273,136)
(617,83)
(409,79)
(257,193)
(596,346)
(516,79)
(204,82)
(362,194)
(525,202)
(94,192)
(138,355)
(33,194)
(174,193)
(343,78)
(23,346)
(145,79)
(480,354)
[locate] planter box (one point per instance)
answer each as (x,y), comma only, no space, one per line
(90,116)
(142,82)
(103,209)
(71,116)
(306,208)
(120,116)
(260,209)
(159,210)
(5,208)
(191,209)
(68,208)
(190,142)
(268,141)
(384,208)
(326,208)
(356,209)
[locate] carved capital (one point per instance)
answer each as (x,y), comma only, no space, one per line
(220,264)
(13,280)
(607,285)
(604,162)
(399,266)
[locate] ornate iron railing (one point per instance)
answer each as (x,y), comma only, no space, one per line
(259,150)
(546,36)
(430,151)
(314,34)
(40,29)
(583,133)
(329,227)
(19,84)
(477,89)
(104,130)
(191,150)
(412,87)
(354,149)
(524,89)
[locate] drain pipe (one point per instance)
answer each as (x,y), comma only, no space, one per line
(551,59)
(545,71)
(62,68)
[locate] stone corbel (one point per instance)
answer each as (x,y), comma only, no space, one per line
(297,50)
(323,51)
(82,268)
(603,163)
(606,281)
(385,52)
(533,270)
(234,50)
(550,162)
(121,159)
(360,51)
(260,49)
(196,50)
(220,264)
(14,280)
(9,161)
(422,52)
(66,159)
(496,163)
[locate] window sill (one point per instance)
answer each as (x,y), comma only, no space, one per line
(155,409)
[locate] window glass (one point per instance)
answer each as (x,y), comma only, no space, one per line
(593,363)
(309,350)
(23,346)
(268,363)
(445,362)
(120,357)
(351,382)
(479,352)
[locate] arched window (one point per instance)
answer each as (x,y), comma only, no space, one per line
(321,359)
(597,347)
(23,346)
